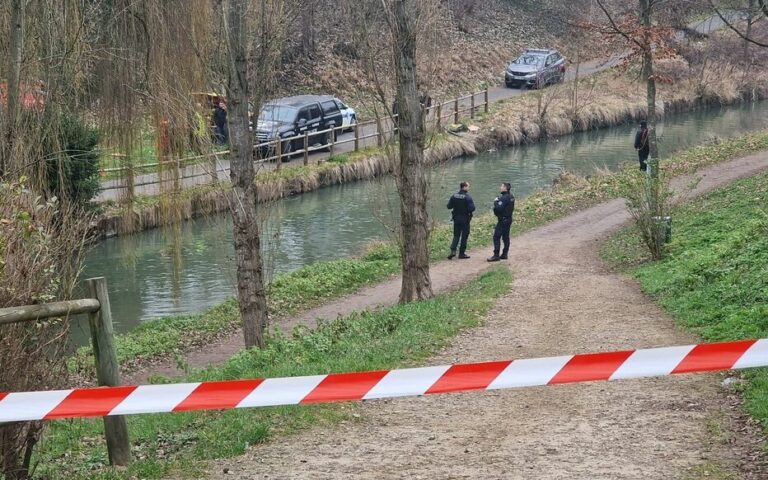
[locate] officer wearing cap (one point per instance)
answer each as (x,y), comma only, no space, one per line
(503,208)
(461,206)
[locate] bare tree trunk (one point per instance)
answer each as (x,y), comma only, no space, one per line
(250,275)
(411,175)
(648,75)
(307,14)
(751,9)
(16,50)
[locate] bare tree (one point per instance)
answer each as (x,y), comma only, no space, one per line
(755,8)
(307,15)
(410,172)
(15,57)
(647,41)
(250,274)
(648,48)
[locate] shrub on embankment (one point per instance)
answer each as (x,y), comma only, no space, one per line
(402,335)
(323,281)
(713,280)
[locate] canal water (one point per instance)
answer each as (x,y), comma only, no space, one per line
(189,267)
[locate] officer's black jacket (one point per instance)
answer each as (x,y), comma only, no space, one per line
(504,206)
(641,140)
(462,205)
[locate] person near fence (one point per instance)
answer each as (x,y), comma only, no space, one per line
(461,206)
(503,208)
(220,122)
(426,102)
(395,113)
(642,145)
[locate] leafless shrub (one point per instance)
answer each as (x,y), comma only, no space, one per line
(649,201)
(40,245)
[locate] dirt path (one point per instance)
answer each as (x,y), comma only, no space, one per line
(596,221)
(564,300)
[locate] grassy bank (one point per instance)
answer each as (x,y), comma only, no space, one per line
(392,337)
(714,279)
(324,281)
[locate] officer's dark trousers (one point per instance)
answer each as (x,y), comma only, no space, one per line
(643,157)
(460,232)
(501,232)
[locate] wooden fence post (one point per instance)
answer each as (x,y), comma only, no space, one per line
(485,99)
(456,111)
(472,106)
(332,141)
(439,114)
(214,166)
(108,370)
(379,128)
(306,148)
(279,153)
(357,137)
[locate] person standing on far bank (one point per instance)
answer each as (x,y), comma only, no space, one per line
(503,208)
(642,145)
(461,206)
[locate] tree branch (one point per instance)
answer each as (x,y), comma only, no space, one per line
(616,27)
(763,6)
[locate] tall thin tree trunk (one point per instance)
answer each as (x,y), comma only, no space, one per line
(751,18)
(307,14)
(411,174)
(648,74)
(250,274)
(16,50)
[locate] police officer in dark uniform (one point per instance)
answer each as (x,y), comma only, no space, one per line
(503,208)
(461,206)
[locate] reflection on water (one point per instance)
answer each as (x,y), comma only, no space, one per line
(188,267)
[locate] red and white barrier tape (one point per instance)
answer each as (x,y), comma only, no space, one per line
(652,362)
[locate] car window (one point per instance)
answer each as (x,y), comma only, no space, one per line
(341,105)
(314,112)
(330,107)
(529,60)
(304,114)
(277,113)
(550,60)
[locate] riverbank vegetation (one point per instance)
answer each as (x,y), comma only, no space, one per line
(713,279)
(324,281)
(402,335)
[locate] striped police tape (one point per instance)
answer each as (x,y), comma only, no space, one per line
(126,400)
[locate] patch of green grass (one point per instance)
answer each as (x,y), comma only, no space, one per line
(398,336)
(714,279)
(710,471)
(324,281)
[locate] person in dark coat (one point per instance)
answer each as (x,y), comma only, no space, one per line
(395,115)
(220,122)
(503,208)
(642,145)
(462,206)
